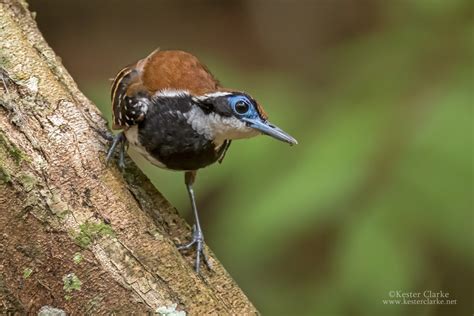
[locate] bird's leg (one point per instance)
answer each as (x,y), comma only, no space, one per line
(122,150)
(119,138)
(198,237)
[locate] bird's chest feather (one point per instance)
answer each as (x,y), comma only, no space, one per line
(170,138)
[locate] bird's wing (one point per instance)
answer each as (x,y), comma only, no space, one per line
(130,100)
(176,70)
(134,85)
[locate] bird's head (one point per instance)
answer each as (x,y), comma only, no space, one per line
(235,115)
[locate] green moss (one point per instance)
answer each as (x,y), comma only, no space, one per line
(90,231)
(28,181)
(4,176)
(16,154)
(27,273)
(62,215)
(9,156)
(77,258)
(30,202)
(71,283)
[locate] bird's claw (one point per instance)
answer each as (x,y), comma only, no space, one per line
(105,134)
(119,138)
(198,241)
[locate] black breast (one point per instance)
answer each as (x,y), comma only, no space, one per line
(168,137)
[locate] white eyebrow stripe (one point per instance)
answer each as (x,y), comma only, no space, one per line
(170,93)
(218,94)
(213,95)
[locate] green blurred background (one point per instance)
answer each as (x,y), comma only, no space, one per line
(378,195)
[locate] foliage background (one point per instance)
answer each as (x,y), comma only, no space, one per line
(377,197)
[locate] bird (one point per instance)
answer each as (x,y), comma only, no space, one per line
(173,111)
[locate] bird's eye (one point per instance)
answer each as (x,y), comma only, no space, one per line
(241,107)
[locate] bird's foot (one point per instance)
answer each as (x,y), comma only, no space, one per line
(119,138)
(104,133)
(198,242)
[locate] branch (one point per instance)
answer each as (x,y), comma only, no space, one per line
(77,235)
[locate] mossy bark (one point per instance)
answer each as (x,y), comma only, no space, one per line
(75,234)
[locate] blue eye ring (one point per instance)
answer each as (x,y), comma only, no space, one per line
(241,107)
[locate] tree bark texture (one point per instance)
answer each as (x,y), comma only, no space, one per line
(74,234)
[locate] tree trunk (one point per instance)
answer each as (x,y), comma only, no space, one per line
(74,234)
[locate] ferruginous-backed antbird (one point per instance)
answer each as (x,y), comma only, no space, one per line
(173,111)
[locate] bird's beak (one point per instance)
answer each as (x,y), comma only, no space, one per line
(269,129)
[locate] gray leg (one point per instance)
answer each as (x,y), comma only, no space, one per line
(198,237)
(119,138)
(123,149)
